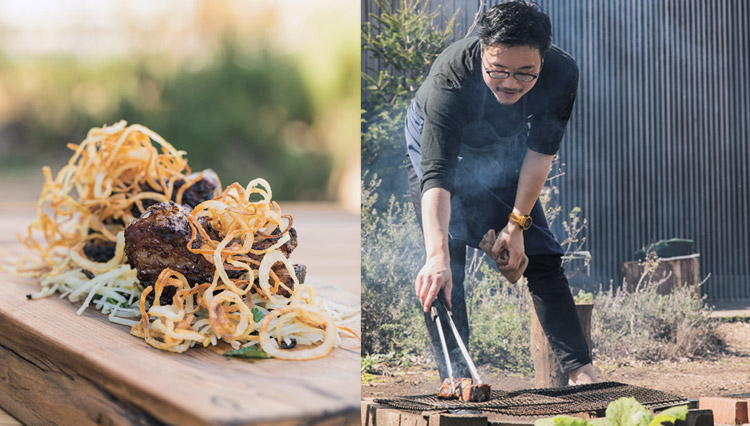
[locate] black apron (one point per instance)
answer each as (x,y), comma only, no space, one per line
(486,180)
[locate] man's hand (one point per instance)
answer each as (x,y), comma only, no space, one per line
(435,276)
(510,239)
(534,172)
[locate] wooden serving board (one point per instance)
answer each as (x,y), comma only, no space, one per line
(60,368)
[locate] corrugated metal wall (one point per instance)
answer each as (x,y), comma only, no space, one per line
(658,144)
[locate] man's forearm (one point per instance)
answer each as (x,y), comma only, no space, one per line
(436,213)
(534,173)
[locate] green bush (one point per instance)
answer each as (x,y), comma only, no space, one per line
(234,115)
(500,318)
(406,41)
(392,254)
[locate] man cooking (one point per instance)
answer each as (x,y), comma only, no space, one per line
(481,134)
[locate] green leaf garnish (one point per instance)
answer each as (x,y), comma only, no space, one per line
(257,314)
(124,304)
(247,352)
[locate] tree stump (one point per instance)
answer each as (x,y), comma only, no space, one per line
(547,372)
(673,271)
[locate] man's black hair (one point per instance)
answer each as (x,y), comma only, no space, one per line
(516,23)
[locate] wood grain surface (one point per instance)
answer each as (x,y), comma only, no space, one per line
(60,368)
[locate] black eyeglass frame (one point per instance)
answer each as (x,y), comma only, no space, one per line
(531,77)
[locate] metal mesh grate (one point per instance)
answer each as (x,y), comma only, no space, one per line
(542,402)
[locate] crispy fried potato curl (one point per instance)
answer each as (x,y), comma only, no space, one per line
(92,197)
(170,330)
(226,308)
(242,216)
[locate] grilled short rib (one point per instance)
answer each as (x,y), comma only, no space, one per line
(159,240)
(204,189)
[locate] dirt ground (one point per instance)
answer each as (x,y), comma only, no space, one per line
(727,374)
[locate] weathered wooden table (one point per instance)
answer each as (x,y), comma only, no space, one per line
(57,367)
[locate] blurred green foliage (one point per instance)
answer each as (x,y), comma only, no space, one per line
(244,114)
(392,254)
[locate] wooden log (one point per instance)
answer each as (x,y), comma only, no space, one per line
(684,270)
(547,371)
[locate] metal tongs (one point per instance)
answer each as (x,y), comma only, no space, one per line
(436,317)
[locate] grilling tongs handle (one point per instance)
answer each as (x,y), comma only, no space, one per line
(436,318)
(440,301)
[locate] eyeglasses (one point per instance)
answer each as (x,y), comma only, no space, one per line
(520,76)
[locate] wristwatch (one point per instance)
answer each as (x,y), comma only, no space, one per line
(523,221)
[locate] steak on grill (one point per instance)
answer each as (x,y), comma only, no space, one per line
(463,389)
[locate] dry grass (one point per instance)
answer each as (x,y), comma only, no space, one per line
(645,325)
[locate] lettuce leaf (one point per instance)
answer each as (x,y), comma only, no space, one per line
(670,415)
(622,412)
(628,412)
(562,421)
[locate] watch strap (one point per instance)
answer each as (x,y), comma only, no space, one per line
(523,221)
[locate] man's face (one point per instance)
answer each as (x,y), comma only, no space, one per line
(518,61)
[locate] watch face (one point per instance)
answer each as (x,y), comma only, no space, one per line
(526,223)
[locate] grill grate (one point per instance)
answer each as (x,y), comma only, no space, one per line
(542,402)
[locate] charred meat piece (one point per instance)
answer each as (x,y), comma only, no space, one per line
(301,272)
(474,393)
(99,250)
(205,189)
(463,389)
(449,389)
(159,239)
(265,243)
(206,224)
(281,272)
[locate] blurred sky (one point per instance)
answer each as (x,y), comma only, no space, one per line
(316,34)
